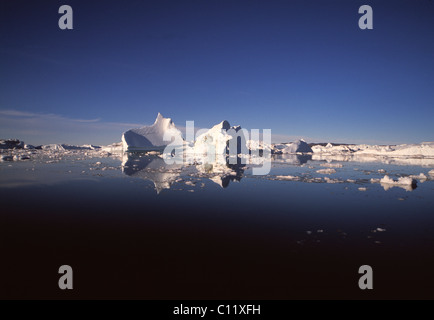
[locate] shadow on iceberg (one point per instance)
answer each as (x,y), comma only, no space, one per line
(151,167)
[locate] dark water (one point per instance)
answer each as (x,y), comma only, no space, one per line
(257,238)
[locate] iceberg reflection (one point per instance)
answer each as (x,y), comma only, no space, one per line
(151,167)
(154,168)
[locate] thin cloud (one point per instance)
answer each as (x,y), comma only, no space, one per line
(41,128)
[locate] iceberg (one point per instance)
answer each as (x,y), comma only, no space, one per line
(11,144)
(299,146)
(216,139)
(424,149)
(53,147)
(407,183)
(151,138)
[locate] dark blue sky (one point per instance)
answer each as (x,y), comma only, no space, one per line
(301,68)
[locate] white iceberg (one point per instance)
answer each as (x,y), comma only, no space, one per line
(406,183)
(152,137)
(116,147)
(216,140)
(424,149)
(299,146)
(53,147)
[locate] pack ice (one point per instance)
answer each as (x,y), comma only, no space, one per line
(299,146)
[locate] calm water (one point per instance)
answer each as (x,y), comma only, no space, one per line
(135,228)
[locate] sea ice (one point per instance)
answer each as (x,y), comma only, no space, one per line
(291,178)
(406,183)
(299,146)
(326,171)
(331,165)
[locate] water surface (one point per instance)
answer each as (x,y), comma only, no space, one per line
(134,227)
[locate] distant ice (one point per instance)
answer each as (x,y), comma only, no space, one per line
(326,171)
(290,178)
(331,165)
(299,146)
(425,149)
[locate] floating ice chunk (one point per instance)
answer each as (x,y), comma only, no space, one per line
(83,147)
(362,189)
(7,158)
(113,148)
(290,178)
(331,165)
(406,183)
(299,146)
(53,147)
(431,173)
(328,180)
(326,171)
(400,181)
(424,149)
(152,153)
(259,145)
(151,137)
(421,177)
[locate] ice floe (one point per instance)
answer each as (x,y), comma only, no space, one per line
(326,171)
(406,183)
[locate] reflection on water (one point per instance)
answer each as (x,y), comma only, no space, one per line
(406,187)
(163,175)
(151,168)
(404,161)
(234,173)
(296,159)
(304,216)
